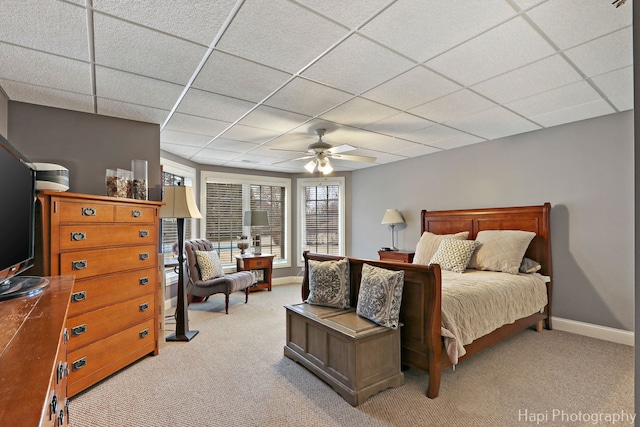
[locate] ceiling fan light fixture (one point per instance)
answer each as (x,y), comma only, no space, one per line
(310,166)
(324,166)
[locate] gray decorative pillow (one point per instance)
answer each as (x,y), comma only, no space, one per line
(209,264)
(329,283)
(380,295)
(501,250)
(429,243)
(529,266)
(454,255)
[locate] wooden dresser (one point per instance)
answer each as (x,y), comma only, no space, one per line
(33,357)
(111,247)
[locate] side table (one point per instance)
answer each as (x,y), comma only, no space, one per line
(397,256)
(262,262)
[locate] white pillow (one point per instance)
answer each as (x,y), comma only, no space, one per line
(454,255)
(501,250)
(209,264)
(429,243)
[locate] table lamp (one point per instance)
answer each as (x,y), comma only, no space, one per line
(392,217)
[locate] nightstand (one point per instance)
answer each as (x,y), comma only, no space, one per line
(397,256)
(262,262)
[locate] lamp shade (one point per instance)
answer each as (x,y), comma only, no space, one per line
(392,216)
(179,203)
(256,218)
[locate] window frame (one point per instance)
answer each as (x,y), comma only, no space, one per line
(315,182)
(233,178)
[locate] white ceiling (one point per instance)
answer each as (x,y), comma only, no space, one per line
(229,80)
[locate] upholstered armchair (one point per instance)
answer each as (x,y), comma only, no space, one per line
(199,263)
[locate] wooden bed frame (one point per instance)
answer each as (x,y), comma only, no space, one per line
(421,311)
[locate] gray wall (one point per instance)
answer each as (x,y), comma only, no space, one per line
(584,169)
(86,144)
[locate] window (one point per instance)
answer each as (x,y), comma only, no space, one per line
(173,174)
(225,199)
(321,218)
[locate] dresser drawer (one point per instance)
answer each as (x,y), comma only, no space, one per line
(93,293)
(135,214)
(83,236)
(90,364)
(95,325)
(82,211)
(104,261)
(250,263)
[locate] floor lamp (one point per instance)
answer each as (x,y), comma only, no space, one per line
(180,204)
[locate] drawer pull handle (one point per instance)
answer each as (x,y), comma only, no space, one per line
(78,235)
(144,233)
(66,335)
(60,373)
(143,281)
(88,211)
(144,306)
(78,364)
(79,330)
(144,333)
(53,405)
(78,296)
(79,265)
(136,213)
(144,256)
(259,263)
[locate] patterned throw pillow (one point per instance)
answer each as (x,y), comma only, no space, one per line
(209,264)
(429,243)
(329,283)
(454,255)
(380,295)
(501,250)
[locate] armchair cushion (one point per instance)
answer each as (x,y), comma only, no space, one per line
(209,264)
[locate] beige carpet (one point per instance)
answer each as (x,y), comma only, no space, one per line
(233,373)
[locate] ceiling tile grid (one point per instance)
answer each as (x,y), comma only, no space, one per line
(246,83)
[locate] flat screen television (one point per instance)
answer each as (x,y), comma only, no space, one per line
(17,224)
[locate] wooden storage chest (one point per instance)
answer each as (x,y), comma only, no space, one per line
(110,245)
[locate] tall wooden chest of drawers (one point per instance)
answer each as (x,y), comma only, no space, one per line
(111,247)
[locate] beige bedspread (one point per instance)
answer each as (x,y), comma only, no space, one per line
(476,303)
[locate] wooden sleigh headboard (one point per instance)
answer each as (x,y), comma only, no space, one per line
(526,218)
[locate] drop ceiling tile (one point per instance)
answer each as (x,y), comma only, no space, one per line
(273,119)
(179,150)
(571,22)
(296,143)
(206,104)
(39,95)
(29,66)
(246,160)
(422,30)
(232,76)
(574,113)
(618,87)
(125,110)
(359,112)
(307,97)
(249,134)
(497,51)
(434,135)
(184,138)
(132,48)
(399,124)
(231,145)
(528,4)
(456,140)
(135,89)
(298,38)
(342,67)
(494,123)
(194,124)
(348,13)
(218,156)
(418,150)
(540,76)
(605,54)
(456,105)
(555,100)
(412,88)
(52,26)
(387,144)
(198,21)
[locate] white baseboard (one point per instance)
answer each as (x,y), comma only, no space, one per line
(594,331)
(286,280)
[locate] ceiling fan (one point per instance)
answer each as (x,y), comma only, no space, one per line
(321,152)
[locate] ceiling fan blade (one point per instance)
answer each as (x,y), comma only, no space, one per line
(367,159)
(293,160)
(290,151)
(340,149)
